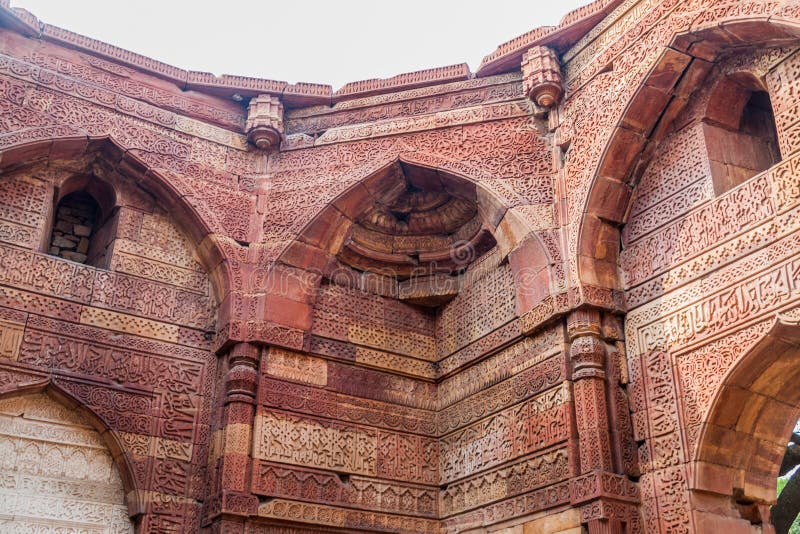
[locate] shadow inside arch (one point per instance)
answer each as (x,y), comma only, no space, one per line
(334,238)
(743,440)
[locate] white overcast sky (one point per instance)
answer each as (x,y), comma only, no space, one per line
(332,42)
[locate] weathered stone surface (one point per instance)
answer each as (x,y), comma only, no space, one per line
(57,471)
(419,304)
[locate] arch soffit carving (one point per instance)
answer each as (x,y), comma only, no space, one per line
(646,119)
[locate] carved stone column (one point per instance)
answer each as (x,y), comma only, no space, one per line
(232,440)
(265,121)
(606,499)
(587,354)
(541,76)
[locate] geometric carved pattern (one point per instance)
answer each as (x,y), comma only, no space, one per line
(344,448)
(535,424)
(477,310)
(786,81)
(508,481)
(295,366)
(354,401)
(373,321)
(10,339)
(58,475)
(293,483)
(336,447)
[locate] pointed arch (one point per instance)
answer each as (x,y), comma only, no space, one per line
(318,243)
(646,121)
(212,250)
(120,458)
(743,438)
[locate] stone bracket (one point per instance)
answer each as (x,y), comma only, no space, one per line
(541,76)
(265,122)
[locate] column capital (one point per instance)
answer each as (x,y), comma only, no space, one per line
(588,354)
(241,379)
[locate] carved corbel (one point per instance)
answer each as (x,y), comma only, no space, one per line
(265,122)
(587,354)
(541,76)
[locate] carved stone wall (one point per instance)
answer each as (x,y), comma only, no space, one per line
(128,340)
(433,305)
(705,275)
(58,474)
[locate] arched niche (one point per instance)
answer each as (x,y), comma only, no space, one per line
(409,230)
(82,211)
(138,213)
(58,469)
(739,129)
(84,156)
(648,119)
(743,439)
(418,242)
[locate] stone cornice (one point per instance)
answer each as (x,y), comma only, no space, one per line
(506,57)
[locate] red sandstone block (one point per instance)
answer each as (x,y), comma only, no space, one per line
(239,413)
(490,207)
(731,405)
(25,153)
(307,257)
(669,122)
(610,198)
(532,288)
(716,478)
(709,522)
(354,202)
(705,50)
(695,73)
(713,35)
(68,147)
(233,472)
(328,231)
(668,70)
(597,237)
(758,30)
(623,149)
(286,312)
(645,109)
(162,523)
(767,457)
(725,443)
(598,273)
(774,422)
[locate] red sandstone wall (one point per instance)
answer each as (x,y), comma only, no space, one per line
(245,388)
(129,342)
(705,273)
